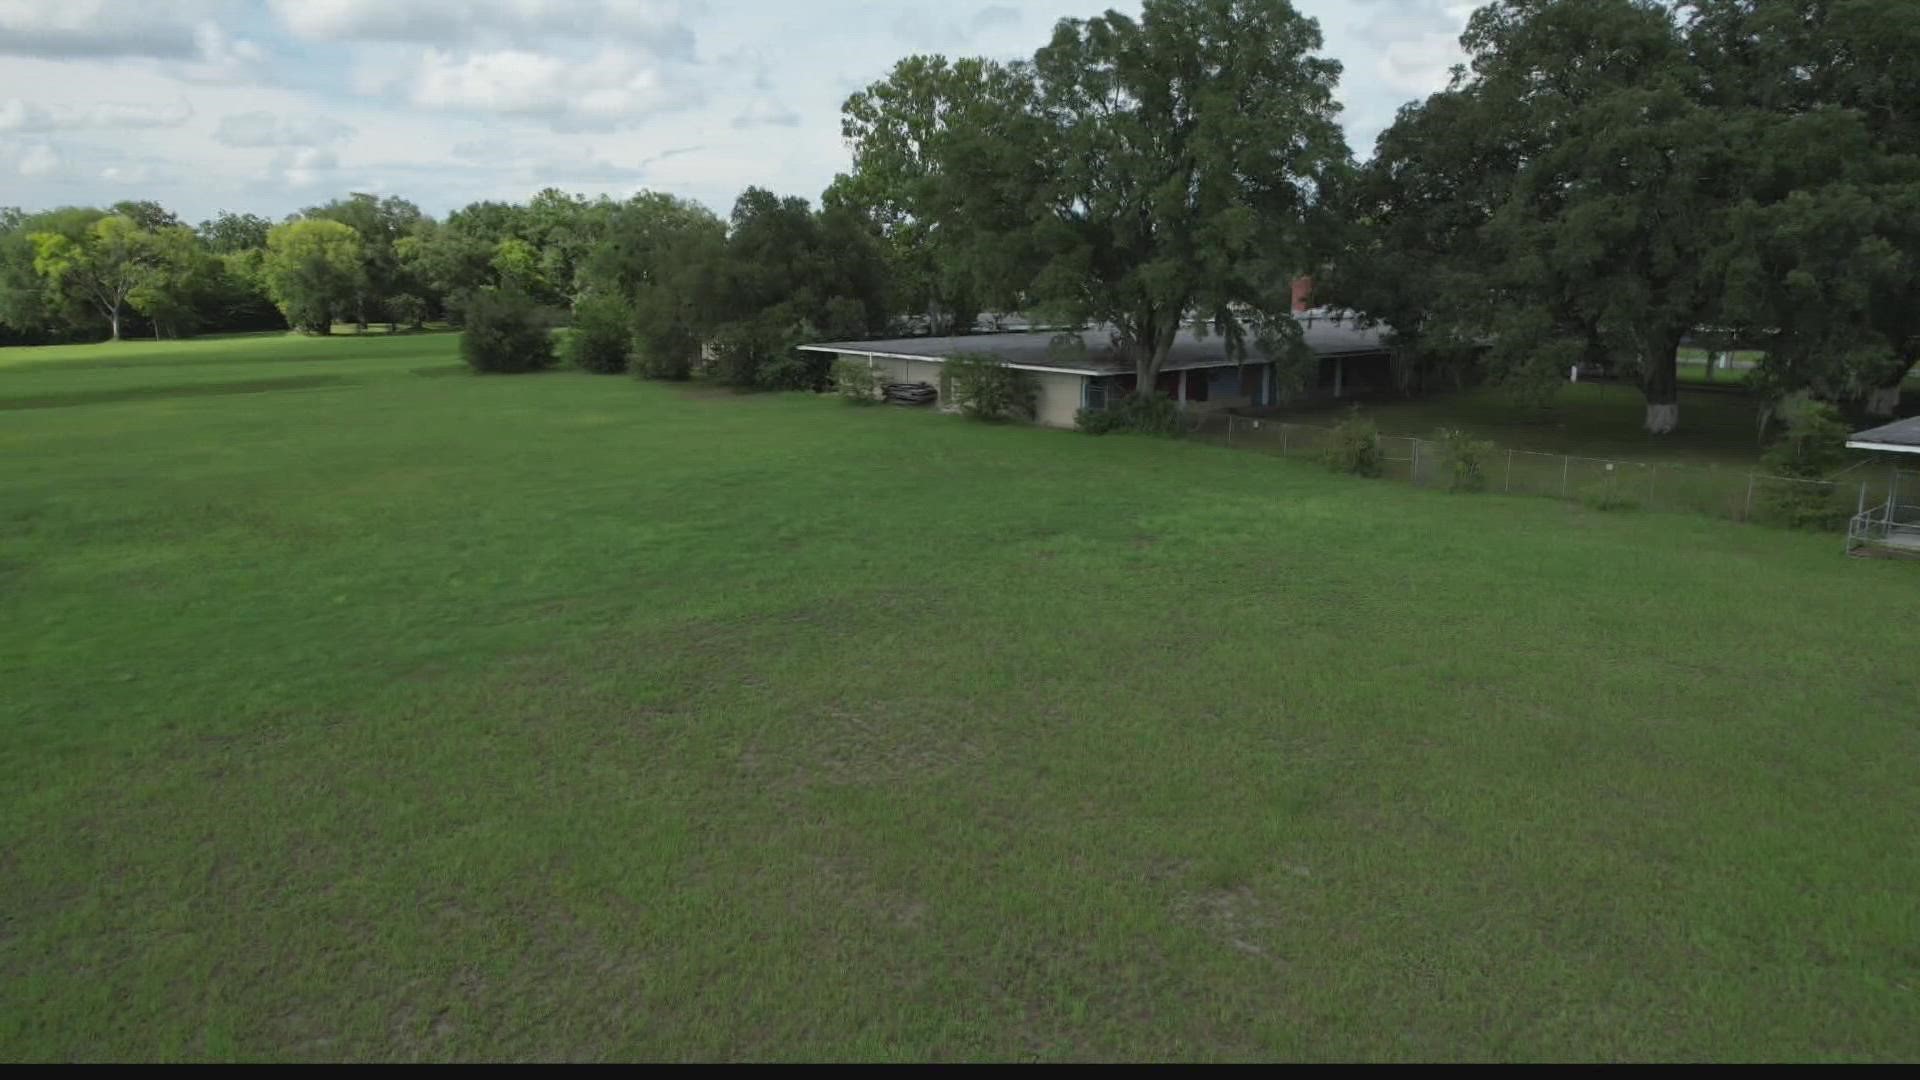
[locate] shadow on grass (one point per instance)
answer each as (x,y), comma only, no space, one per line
(150,393)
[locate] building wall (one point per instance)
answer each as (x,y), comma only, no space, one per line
(1059,398)
(1059,394)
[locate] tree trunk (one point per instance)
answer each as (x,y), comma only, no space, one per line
(113,320)
(1661,382)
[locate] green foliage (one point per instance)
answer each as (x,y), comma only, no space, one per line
(99,269)
(409,309)
(1813,447)
(1814,444)
(987,389)
(1143,414)
(1464,459)
(380,223)
(313,271)
(228,233)
(504,333)
(1188,151)
(1608,494)
(602,338)
(1354,447)
(857,381)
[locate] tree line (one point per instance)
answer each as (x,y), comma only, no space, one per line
(1601,181)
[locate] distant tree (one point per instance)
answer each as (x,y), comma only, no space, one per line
(790,274)
(1410,261)
(314,272)
(31,310)
(601,340)
(228,232)
(150,216)
(1187,150)
(100,269)
(182,284)
(666,257)
(447,261)
(381,223)
(504,334)
(944,169)
(1823,254)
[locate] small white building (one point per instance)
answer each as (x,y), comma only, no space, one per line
(1087,373)
(1893,526)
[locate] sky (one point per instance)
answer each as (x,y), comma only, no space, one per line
(268,106)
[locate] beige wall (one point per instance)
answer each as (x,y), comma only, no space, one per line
(1059,398)
(1059,394)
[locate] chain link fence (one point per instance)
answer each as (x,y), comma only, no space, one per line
(1608,483)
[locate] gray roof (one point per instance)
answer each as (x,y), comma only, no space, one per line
(1326,334)
(1903,433)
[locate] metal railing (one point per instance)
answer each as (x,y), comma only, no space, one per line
(1613,483)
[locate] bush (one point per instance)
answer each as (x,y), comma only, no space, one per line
(856,381)
(1814,446)
(1144,414)
(1464,458)
(504,333)
(600,342)
(987,389)
(408,308)
(1354,447)
(664,352)
(1607,495)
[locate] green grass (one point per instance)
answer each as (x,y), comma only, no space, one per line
(1592,419)
(571,717)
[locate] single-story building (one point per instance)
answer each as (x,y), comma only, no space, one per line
(1892,526)
(1198,374)
(1899,437)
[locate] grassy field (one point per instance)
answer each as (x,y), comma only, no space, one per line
(357,712)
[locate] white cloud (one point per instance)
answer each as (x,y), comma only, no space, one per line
(764,111)
(612,89)
(128,175)
(265,129)
(50,28)
(39,160)
(302,167)
(23,116)
(658,25)
(1421,65)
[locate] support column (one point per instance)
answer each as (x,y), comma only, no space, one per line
(1266,384)
(1339,372)
(1183,388)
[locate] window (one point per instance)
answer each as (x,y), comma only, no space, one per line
(1096,394)
(1197,382)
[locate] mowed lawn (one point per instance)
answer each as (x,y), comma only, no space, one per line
(394,713)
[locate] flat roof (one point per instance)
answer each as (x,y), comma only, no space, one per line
(1327,334)
(1900,437)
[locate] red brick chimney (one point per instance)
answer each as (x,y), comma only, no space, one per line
(1302,293)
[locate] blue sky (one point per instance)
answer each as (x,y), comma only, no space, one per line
(271,105)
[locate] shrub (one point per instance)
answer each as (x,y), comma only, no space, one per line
(600,341)
(1815,444)
(856,381)
(1607,495)
(664,352)
(1354,447)
(1464,458)
(503,333)
(1145,414)
(987,389)
(408,308)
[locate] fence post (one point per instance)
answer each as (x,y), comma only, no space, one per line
(1566,467)
(1747,514)
(1508,487)
(1283,438)
(1416,461)
(1652,471)
(1229,429)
